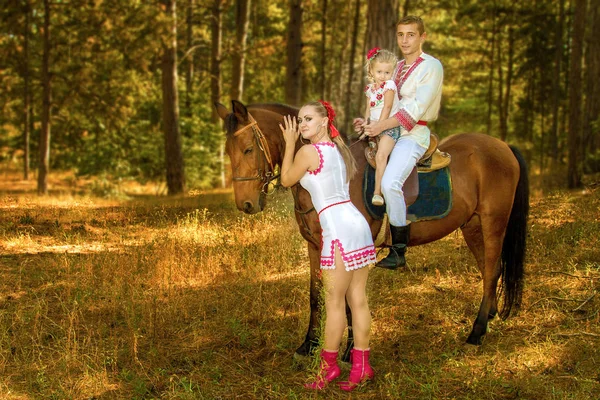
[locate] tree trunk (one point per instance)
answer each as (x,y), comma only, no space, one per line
(406,8)
(189,62)
(215,62)
(509,75)
(381,24)
(44,146)
(215,75)
(542,137)
(242,16)
(574,163)
(293,75)
(490,97)
(26,91)
(347,104)
(500,99)
(558,54)
(173,154)
(591,118)
(323,57)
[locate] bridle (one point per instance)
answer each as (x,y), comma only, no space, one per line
(266,173)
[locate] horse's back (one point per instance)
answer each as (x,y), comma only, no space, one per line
(483,166)
(482,149)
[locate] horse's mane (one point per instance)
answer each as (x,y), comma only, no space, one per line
(231,122)
(282,109)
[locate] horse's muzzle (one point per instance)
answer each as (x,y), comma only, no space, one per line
(248,208)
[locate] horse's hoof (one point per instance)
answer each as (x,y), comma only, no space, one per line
(475,340)
(299,362)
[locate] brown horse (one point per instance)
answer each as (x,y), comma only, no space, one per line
(490,204)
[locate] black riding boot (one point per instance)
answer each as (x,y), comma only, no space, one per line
(395,259)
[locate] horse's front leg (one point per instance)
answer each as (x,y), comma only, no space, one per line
(311,341)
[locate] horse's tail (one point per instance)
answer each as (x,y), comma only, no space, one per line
(513,248)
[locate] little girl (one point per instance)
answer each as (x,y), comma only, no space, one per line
(382,101)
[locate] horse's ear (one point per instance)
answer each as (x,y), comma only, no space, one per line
(221,110)
(240,110)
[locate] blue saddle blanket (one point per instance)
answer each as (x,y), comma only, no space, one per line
(434,200)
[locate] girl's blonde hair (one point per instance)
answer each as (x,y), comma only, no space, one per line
(381,56)
(338,140)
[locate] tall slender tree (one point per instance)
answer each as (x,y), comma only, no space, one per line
(381,24)
(173,153)
(575,92)
(189,61)
(26,89)
(591,116)
(293,74)
(490,94)
(348,112)
(504,94)
(322,52)
(44,145)
(556,92)
(238,58)
(215,59)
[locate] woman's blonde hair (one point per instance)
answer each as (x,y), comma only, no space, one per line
(381,56)
(338,140)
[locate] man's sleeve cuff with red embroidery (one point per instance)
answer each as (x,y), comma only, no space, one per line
(405,120)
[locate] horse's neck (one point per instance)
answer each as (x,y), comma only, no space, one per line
(269,123)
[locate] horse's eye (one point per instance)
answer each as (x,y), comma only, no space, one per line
(248,151)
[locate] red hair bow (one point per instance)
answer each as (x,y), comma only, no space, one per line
(373,52)
(330,116)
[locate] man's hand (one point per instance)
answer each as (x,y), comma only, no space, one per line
(358,124)
(373,129)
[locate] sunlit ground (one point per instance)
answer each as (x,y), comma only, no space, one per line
(110,291)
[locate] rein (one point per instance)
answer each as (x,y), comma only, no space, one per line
(268,174)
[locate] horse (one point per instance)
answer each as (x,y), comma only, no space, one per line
(490,204)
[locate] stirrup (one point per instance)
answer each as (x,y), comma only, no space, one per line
(377,200)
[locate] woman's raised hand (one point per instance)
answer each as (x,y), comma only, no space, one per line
(289,129)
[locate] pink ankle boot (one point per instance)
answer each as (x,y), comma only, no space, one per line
(328,370)
(360,372)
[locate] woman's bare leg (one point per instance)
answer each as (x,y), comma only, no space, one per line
(336,283)
(359,305)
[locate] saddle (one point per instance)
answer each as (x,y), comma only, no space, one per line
(432,160)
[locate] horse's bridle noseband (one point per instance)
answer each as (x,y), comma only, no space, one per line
(266,174)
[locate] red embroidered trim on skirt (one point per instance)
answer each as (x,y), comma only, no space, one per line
(334,204)
(352,259)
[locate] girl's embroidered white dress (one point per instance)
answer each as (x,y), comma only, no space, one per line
(341,222)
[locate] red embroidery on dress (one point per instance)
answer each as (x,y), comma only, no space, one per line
(316,145)
(352,260)
(334,204)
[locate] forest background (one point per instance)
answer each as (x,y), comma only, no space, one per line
(125,89)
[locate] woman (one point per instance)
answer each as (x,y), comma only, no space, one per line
(324,168)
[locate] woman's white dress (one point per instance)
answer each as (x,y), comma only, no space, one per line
(341,222)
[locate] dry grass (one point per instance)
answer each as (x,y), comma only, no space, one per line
(186,298)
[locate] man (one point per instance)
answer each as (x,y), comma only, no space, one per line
(419,79)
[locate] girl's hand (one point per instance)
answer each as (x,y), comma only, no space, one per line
(289,129)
